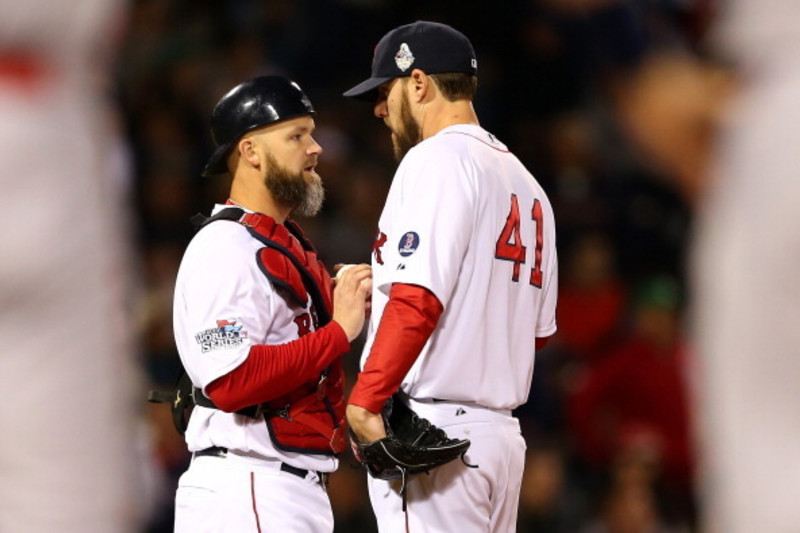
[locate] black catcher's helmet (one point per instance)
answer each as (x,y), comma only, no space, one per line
(248,106)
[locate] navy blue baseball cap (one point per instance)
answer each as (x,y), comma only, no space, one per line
(431,47)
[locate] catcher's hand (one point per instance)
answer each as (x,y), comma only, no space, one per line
(412,445)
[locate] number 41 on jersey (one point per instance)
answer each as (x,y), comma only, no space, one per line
(509,244)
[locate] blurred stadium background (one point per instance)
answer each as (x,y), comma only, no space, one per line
(608,421)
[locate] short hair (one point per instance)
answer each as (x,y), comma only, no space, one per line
(456,85)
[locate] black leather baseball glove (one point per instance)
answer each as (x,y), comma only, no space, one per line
(412,445)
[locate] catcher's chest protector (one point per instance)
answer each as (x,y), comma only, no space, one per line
(310,418)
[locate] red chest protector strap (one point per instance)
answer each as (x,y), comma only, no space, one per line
(290,262)
(308,274)
(295,268)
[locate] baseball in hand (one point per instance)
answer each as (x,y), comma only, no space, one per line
(341,271)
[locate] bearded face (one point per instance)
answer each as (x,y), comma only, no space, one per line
(408,134)
(301,191)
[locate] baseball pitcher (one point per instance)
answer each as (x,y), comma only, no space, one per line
(465,272)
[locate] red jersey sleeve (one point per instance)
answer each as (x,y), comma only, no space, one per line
(270,371)
(408,320)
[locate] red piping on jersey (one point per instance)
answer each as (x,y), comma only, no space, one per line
(477,139)
(273,370)
(408,320)
(253,496)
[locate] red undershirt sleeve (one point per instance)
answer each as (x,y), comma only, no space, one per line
(407,323)
(270,371)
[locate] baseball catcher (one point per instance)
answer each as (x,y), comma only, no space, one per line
(412,445)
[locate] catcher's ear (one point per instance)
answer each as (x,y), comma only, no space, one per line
(249,152)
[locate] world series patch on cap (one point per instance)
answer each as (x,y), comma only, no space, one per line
(431,47)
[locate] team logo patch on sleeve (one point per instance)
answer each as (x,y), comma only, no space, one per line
(227,334)
(408,244)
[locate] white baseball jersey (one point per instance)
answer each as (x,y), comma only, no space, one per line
(223,305)
(68,444)
(747,299)
(467,221)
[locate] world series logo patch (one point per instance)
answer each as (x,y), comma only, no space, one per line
(408,244)
(227,334)
(404,58)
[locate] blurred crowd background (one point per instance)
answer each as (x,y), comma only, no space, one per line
(564,83)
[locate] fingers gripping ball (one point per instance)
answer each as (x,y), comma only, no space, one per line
(342,270)
(412,445)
